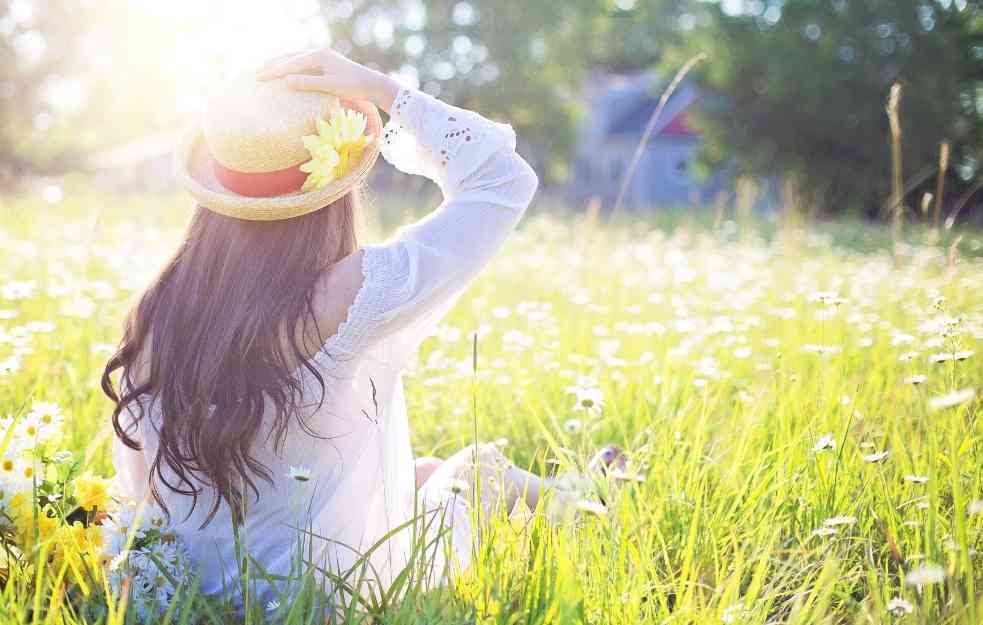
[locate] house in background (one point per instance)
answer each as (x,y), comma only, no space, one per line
(619,109)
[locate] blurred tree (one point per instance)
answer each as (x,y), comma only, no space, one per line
(35,80)
(805,82)
(517,61)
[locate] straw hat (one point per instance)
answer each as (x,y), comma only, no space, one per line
(243,159)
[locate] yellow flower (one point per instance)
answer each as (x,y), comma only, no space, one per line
(77,540)
(91,492)
(22,512)
(335,149)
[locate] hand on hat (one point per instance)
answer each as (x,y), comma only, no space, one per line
(328,71)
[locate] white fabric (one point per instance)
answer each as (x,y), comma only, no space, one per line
(362,484)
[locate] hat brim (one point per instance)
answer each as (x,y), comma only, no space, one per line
(195,171)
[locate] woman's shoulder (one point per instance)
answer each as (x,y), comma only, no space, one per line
(335,293)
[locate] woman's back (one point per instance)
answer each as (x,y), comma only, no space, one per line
(332,466)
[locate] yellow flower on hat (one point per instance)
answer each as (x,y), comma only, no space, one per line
(335,149)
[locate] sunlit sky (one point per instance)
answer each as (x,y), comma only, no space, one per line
(171,51)
(211,39)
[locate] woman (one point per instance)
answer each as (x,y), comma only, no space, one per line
(260,372)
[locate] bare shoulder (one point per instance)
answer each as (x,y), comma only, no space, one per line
(335,291)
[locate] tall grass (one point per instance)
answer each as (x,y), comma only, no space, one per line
(754,384)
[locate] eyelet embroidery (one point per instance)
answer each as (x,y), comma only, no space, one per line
(456,132)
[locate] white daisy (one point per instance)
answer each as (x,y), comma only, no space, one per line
(592,507)
(953,399)
(874,458)
(899,607)
(300,473)
(925,575)
(825,442)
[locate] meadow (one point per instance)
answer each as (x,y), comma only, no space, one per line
(798,404)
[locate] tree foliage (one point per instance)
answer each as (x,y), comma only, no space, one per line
(38,53)
(520,62)
(805,82)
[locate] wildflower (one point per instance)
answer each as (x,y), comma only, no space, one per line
(301,474)
(592,507)
(827,298)
(590,399)
(877,457)
(916,479)
(273,605)
(902,339)
(622,476)
(908,356)
(925,575)
(975,507)
(950,356)
(15,290)
(915,380)
(821,349)
(150,569)
(46,413)
(572,426)
(953,399)
(732,613)
(825,442)
(899,607)
(60,457)
(8,466)
(514,340)
(840,520)
(91,492)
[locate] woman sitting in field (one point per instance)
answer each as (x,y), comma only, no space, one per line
(262,366)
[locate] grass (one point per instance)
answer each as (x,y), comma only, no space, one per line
(752,372)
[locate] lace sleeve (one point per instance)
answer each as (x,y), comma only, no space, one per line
(412,280)
(428,137)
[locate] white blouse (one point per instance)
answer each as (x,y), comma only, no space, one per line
(362,484)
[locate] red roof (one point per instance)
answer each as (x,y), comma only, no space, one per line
(679,126)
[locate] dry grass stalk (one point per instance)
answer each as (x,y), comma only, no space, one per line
(940,184)
(897,182)
(650,127)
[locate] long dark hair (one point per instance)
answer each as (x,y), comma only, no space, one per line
(219,333)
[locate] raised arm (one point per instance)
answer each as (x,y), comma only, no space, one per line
(409,282)
(486,188)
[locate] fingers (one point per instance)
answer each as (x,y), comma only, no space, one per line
(307,82)
(291,64)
